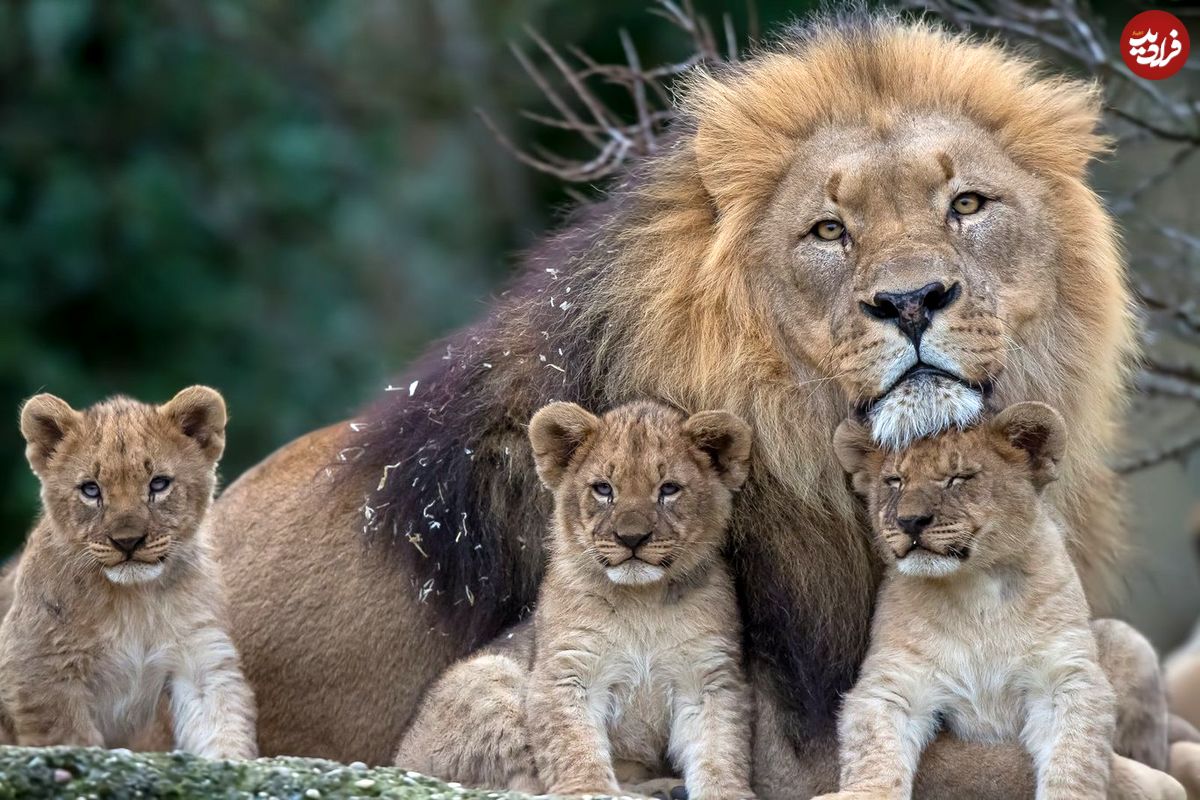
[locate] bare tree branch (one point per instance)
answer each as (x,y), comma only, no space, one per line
(1186,313)
(615,141)
(1177,450)
(1168,386)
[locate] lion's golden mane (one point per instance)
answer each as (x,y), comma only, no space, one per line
(678,296)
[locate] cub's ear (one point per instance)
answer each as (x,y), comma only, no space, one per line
(852,445)
(199,412)
(555,433)
(45,421)
(725,438)
(1040,431)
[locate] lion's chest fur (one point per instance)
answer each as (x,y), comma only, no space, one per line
(132,670)
(127,642)
(641,663)
(977,656)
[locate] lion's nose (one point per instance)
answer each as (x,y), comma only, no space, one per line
(912,311)
(127,544)
(913,526)
(632,540)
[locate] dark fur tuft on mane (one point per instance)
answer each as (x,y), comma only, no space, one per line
(444,465)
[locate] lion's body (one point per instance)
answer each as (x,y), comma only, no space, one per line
(421,526)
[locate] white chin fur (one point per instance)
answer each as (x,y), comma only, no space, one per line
(927,565)
(922,406)
(134,572)
(635,573)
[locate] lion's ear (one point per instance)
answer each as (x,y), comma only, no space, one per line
(555,433)
(45,422)
(199,412)
(852,444)
(725,439)
(1040,431)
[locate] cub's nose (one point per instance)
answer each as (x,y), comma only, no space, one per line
(912,311)
(631,540)
(914,525)
(127,544)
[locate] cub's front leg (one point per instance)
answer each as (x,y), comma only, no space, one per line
(471,727)
(46,699)
(883,728)
(569,741)
(57,712)
(710,733)
(211,702)
(1068,730)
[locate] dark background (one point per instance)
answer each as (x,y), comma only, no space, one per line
(286,200)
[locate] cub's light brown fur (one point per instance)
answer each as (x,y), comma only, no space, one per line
(116,598)
(981,624)
(633,653)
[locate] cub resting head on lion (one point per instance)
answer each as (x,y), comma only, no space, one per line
(872,214)
(981,626)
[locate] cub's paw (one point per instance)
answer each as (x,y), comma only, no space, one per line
(714,793)
(1185,767)
(1132,780)
(576,789)
(658,788)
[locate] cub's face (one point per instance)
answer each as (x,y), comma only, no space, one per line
(127,483)
(963,499)
(643,493)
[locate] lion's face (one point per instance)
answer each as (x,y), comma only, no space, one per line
(126,483)
(643,493)
(904,261)
(964,499)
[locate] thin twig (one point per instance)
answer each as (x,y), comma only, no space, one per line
(1168,386)
(614,141)
(1154,456)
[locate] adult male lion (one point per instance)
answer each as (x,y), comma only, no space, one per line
(874,214)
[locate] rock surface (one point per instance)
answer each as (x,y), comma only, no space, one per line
(62,772)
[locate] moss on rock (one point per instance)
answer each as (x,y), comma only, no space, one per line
(27,773)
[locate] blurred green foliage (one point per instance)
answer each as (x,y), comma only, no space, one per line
(282,199)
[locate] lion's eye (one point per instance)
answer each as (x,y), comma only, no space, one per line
(828,229)
(159,483)
(893,481)
(967,203)
(602,489)
(959,480)
(668,489)
(90,490)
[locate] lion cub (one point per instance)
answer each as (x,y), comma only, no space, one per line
(117,599)
(632,665)
(981,623)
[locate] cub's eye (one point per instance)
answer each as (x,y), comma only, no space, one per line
(668,489)
(159,483)
(967,203)
(893,481)
(90,490)
(959,480)
(828,229)
(602,489)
